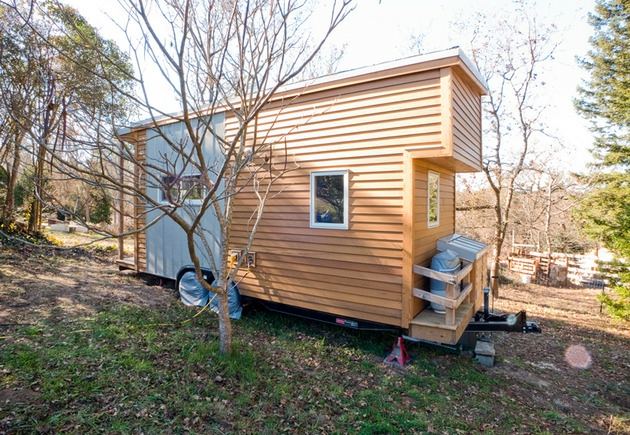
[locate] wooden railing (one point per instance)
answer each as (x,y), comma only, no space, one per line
(454,296)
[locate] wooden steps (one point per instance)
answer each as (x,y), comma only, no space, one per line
(431,326)
(458,303)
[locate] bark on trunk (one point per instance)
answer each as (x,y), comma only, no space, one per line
(499,236)
(35,218)
(225,324)
(496,269)
(548,229)
(9,201)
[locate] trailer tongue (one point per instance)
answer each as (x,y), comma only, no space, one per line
(502,323)
(485,321)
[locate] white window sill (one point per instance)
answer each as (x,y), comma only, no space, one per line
(329,226)
(191,202)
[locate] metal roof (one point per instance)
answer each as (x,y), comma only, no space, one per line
(465,247)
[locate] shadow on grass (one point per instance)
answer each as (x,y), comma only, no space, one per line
(279,325)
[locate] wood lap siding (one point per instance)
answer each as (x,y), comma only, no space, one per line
(424,238)
(140,251)
(388,134)
(466,123)
(363,128)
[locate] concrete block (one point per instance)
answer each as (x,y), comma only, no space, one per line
(484,353)
(485,348)
(486,361)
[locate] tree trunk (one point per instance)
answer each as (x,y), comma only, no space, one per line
(225,323)
(499,236)
(35,219)
(496,268)
(548,231)
(9,201)
(32,216)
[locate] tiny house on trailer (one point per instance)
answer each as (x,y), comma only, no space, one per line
(387,141)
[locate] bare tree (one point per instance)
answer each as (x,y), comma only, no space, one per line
(510,53)
(214,59)
(57,75)
(19,57)
(326,62)
(546,196)
(541,209)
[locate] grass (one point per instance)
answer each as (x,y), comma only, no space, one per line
(135,369)
(89,241)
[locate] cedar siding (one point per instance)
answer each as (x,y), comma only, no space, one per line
(466,110)
(364,128)
(425,238)
(388,128)
(139,212)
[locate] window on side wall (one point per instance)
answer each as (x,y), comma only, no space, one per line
(187,188)
(329,199)
(433,196)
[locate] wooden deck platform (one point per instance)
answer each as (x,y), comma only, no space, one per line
(126,263)
(429,325)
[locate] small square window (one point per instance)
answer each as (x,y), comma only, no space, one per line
(187,188)
(168,188)
(329,199)
(433,199)
(191,188)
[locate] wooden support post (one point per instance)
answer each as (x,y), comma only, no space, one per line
(450,316)
(121,208)
(136,207)
(408,254)
(450,312)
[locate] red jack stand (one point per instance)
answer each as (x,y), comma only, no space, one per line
(398,356)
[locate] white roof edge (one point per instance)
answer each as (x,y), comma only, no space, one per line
(473,69)
(391,64)
(383,66)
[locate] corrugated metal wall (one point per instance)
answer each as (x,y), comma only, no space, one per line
(166,246)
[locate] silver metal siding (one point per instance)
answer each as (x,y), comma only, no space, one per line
(166,246)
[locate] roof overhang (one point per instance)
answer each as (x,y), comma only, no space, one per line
(423,62)
(453,57)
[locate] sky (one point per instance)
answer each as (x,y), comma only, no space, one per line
(381,30)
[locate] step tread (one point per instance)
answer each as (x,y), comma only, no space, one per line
(430,318)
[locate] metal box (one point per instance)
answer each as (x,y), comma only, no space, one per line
(465,247)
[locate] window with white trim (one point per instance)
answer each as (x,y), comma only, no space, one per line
(329,199)
(433,199)
(187,188)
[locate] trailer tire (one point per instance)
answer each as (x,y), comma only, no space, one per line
(209,275)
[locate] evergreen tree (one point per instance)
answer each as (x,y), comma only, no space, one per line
(101,211)
(605,101)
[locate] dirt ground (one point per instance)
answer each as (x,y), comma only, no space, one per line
(579,363)
(38,285)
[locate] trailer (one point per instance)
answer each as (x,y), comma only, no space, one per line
(393,136)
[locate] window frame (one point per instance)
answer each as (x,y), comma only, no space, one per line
(164,200)
(346,206)
(436,223)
